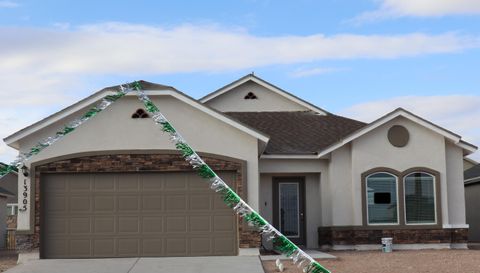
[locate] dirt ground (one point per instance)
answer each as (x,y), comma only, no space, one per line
(425,261)
(7,261)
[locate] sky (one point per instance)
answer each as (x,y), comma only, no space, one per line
(356,58)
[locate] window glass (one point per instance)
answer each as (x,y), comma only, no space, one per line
(419,199)
(382,199)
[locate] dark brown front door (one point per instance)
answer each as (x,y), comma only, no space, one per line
(289,207)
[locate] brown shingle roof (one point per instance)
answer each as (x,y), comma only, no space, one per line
(298,132)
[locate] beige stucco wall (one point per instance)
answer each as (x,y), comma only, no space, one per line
(341,188)
(114,130)
(233,101)
(455,185)
(472,200)
(424,149)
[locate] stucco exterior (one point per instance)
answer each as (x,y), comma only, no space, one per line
(114,130)
(267,100)
(333,176)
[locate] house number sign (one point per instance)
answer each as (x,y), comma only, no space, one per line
(25,196)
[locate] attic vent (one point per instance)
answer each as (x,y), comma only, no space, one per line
(250,96)
(140,113)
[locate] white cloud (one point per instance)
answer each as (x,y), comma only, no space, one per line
(457,113)
(8,4)
(308,72)
(420,8)
(41,68)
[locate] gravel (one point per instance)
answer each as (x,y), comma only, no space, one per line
(424,261)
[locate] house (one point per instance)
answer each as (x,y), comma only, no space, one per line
(9,182)
(4,195)
(116,187)
(472,201)
(469,163)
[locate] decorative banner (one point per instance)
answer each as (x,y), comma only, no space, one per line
(230,197)
(70,127)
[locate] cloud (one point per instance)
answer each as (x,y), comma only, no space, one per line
(308,72)
(420,8)
(457,113)
(8,4)
(43,69)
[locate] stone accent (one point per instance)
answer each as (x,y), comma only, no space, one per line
(133,163)
(359,236)
(12,222)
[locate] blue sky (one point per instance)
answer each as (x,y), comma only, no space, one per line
(358,58)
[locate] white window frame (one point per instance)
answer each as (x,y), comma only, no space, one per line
(398,203)
(434,200)
(12,208)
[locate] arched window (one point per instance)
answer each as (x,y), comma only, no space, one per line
(419,188)
(382,199)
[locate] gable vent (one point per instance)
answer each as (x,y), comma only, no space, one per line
(250,96)
(140,113)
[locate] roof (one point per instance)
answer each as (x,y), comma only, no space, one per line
(454,138)
(150,89)
(472,175)
(269,86)
(298,133)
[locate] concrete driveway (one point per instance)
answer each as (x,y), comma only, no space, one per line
(235,264)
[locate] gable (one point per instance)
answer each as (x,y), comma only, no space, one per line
(114,129)
(252,94)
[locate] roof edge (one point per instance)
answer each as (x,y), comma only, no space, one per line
(455,138)
(268,85)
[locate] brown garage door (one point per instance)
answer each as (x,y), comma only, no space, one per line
(131,215)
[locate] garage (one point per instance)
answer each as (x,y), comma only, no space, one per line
(138,214)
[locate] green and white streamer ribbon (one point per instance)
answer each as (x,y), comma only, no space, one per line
(70,127)
(230,197)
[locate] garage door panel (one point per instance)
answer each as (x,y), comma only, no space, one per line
(104,204)
(152,203)
(128,224)
(104,248)
(80,225)
(152,224)
(175,201)
(200,223)
(131,215)
(176,246)
(152,247)
(80,204)
(128,203)
(199,201)
(104,224)
(80,247)
(80,183)
(129,247)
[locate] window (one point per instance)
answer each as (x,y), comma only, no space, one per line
(12,209)
(419,198)
(140,113)
(382,198)
(250,96)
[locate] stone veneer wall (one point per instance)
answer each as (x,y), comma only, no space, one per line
(358,236)
(132,163)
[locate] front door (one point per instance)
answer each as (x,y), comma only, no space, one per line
(289,207)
